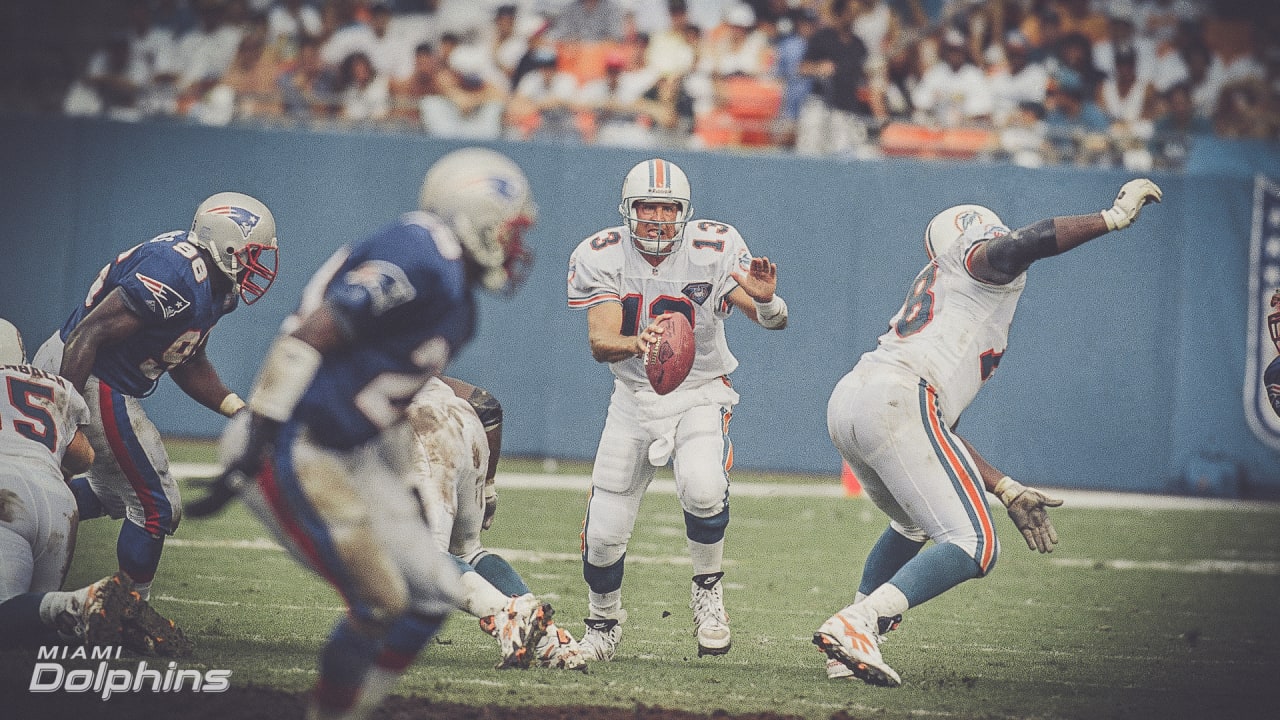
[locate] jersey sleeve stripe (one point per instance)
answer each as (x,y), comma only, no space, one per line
(590,300)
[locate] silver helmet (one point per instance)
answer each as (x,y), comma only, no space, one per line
(240,233)
(947,226)
(656,180)
(11,350)
(485,199)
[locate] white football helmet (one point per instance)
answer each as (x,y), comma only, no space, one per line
(486,199)
(240,233)
(11,350)
(947,226)
(656,180)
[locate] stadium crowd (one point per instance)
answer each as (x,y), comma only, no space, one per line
(1107,83)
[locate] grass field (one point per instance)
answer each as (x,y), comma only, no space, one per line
(1140,613)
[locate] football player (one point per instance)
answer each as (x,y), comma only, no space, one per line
(1271,376)
(660,261)
(459,431)
(42,442)
(150,312)
(893,420)
(325,452)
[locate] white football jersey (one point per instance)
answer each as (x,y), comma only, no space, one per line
(39,415)
(694,280)
(953,328)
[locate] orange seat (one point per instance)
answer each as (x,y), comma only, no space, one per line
(585,60)
(753,104)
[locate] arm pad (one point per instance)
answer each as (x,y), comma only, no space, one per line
(487,407)
(1012,254)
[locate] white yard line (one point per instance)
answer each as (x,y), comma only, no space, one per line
(1073,498)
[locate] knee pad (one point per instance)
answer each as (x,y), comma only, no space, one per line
(706,530)
(606,579)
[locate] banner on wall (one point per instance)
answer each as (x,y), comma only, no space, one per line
(1264,282)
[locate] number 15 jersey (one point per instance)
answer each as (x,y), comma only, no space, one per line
(952,329)
(695,280)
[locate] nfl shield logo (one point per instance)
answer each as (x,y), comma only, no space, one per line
(1264,278)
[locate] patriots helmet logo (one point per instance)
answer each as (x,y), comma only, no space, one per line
(246,220)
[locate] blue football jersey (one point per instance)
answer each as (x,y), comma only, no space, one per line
(404,298)
(1271,379)
(166,282)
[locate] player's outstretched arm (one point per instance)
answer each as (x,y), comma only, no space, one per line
(756,295)
(1002,259)
(1026,506)
(199,380)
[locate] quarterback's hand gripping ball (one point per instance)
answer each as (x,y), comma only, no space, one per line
(668,361)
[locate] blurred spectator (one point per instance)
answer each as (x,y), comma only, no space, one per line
(740,49)
(466,19)
(954,92)
(364,95)
(1043,30)
(291,21)
(408,93)
(652,17)
(390,55)
(1022,136)
(833,120)
(1075,127)
(1125,96)
(205,52)
(1074,59)
(503,45)
(309,91)
(609,107)
(248,89)
(1205,85)
(788,53)
(589,21)
(1248,109)
(670,108)
(1121,33)
(706,14)
(540,106)
(152,47)
(1018,81)
(1178,117)
(1159,19)
(110,85)
(469,104)
(1078,16)
(673,50)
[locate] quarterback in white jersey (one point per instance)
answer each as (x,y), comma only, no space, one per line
(661,261)
(893,416)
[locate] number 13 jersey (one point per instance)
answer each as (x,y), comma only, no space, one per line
(952,329)
(695,280)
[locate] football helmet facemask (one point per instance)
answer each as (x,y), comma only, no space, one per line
(12,351)
(240,233)
(656,180)
(947,226)
(484,197)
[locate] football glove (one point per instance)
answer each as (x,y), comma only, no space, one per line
(240,471)
(1026,508)
(490,505)
(1133,196)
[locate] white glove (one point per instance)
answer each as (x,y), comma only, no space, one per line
(1133,195)
(490,504)
(1027,510)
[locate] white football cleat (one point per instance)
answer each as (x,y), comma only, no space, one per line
(837,670)
(557,649)
(600,641)
(710,621)
(519,627)
(850,637)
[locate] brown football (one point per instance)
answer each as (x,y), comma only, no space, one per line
(669,360)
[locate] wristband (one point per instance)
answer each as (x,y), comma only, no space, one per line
(1008,489)
(287,372)
(772,314)
(231,404)
(1116,219)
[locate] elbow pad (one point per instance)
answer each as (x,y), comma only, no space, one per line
(1012,254)
(487,407)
